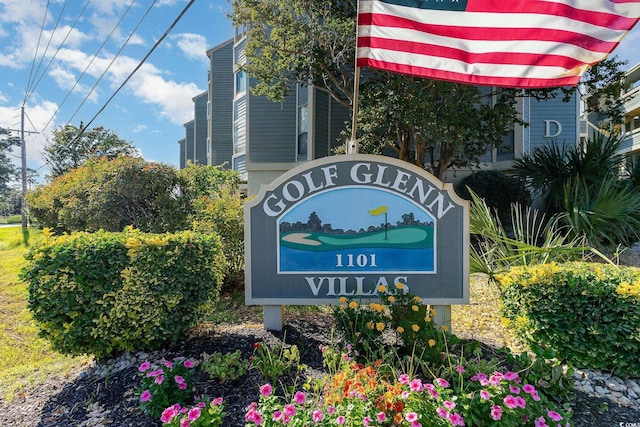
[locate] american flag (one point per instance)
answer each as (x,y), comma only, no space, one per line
(510,43)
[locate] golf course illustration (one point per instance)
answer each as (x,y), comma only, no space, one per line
(375,231)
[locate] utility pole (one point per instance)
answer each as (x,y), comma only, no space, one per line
(23,155)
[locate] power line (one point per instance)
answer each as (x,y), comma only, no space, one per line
(112,61)
(93,58)
(30,88)
(60,46)
(35,54)
(156,44)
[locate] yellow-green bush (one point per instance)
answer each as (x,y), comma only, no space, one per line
(103,293)
(588,313)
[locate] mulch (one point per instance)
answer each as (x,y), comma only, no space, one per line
(91,401)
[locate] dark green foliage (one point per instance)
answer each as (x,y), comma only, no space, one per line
(109,195)
(547,169)
(72,147)
(498,190)
(105,293)
(587,313)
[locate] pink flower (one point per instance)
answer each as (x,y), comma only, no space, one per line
(188,363)
(540,422)
(456,420)
(510,376)
(266,390)
(194,414)
(185,423)
(381,416)
(416,424)
(155,373)
(159,379)
(416,385)
(521,402)
(167,363)
(495,379)
(217,401)
(442,413)
(144,366)
(485,395)
(442,382)
(535,396)
(496,412)
(145,396)
(514,389)
(300,398)
(278,416)
(317,416)
(479,376)
(403,379)
(554,415)
(432,391)
(510,401)
(411,417)
(178,379)
(289,410)
(253,415)
(168,414)
(366,421)
(460,369)
(340,420)
(449,404)
(528,388)
(331,409)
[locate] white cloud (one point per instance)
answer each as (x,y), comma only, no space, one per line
(193,46)
(140,128)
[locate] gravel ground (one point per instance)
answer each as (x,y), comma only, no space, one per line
(86,399)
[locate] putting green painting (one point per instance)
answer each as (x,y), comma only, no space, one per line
(376,230)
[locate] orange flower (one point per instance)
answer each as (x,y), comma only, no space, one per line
(432,343)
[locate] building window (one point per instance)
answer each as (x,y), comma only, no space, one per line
(303,130)
(505,150)
(241,83)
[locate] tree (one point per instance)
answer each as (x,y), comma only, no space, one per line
(8,171)
(72,147)
(433,124)
(112,194)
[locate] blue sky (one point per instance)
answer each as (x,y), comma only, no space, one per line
(152,108)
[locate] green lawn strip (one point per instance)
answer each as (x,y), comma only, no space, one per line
(24,357)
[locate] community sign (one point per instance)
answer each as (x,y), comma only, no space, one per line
(344,225)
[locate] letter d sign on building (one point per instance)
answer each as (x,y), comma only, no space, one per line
(341,226)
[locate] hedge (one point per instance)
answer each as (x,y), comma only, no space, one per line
(588,313)
(104,293)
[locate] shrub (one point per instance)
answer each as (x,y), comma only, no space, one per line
(223,214)
(112,194)
(498,190)
(108,292)
(587,313)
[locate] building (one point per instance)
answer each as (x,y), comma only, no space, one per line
(631,97)
(262,139)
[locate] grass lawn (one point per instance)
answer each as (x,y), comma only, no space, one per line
(24,357)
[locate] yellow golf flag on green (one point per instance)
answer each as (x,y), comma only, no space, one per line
(378,211)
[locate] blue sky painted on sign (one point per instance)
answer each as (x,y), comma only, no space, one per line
(348,208)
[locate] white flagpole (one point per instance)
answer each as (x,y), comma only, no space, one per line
(352,144)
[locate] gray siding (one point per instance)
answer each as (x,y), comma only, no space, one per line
(200,128)
(190,145)
(321,124)
(222,87)
(183,148)
(271,128)
(329,122)
(340,120)
(554,109)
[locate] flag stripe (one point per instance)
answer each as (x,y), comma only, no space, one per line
(607,19)
(534,43)
(464,33)
(515,58)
